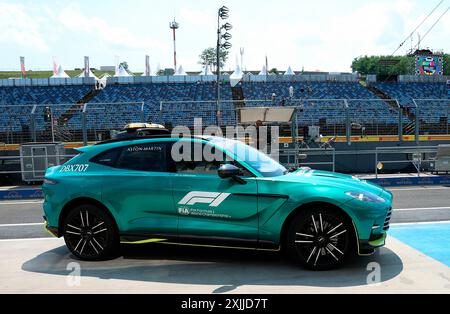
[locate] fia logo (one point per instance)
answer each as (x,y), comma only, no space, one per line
(183,211)
(211,198)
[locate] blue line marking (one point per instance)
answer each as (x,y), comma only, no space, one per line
(432,240)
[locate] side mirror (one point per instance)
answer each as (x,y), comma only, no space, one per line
(231,172)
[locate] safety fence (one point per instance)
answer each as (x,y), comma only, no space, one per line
(333,117)
(419,159)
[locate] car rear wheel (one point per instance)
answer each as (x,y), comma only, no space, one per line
(320,238)
(90,233)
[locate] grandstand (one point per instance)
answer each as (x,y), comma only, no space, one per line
(329,103)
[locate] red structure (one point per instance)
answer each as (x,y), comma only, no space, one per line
(174,26)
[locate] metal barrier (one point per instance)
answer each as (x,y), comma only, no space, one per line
(335,117)
(417,154)
(432,116)
(376,117)
(66,122)
(291,157)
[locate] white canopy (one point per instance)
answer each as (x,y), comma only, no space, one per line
(121,72)
(104,78)
(207,70)
(60,74)
(289,71)
(180,71)
(263,71)
(82,74)
(236,77)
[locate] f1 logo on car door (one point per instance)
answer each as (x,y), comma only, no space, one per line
(213,199)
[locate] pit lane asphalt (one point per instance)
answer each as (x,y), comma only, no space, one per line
(23,219)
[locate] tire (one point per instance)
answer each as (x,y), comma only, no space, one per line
(320,238)
(91,234)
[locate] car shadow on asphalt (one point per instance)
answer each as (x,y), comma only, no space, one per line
(226,268)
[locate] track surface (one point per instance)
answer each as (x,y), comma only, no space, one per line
(407,265)
(23,219)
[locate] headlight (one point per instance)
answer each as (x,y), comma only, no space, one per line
(366,197)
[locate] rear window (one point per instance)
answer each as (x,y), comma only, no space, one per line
(147,157)
(108,158)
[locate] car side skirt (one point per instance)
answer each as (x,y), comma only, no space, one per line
(189,240)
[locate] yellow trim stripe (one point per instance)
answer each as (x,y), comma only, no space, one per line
(288,140)
(145,241)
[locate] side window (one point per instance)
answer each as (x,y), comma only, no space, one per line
(147,157)
(108,158)
(204,159)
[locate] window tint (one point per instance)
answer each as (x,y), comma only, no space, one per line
(204,160)
(147,157)
(108,158)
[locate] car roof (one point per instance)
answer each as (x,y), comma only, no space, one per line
(116,143)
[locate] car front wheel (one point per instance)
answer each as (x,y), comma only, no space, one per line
(320,238)
(90,233)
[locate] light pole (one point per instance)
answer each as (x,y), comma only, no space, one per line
(223,14)
(174,26)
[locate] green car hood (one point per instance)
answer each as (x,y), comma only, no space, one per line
(331,179)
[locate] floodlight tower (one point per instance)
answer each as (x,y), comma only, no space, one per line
(174,26)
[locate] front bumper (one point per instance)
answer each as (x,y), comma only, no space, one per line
(369,247)
(53,231)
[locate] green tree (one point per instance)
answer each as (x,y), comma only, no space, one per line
(374,65)
(209,56)
(447,64)
(274,71)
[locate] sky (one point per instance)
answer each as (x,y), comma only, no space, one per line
(323,35)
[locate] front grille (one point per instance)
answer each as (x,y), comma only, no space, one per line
(387,222)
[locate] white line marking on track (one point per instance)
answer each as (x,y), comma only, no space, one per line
(21,203)
(421,223)
(22,225)
(419,189)
(29,239)
(424,208)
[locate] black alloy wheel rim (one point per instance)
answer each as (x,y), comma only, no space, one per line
(321,240)
(86,234)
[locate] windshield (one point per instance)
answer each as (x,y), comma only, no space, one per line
(260,162)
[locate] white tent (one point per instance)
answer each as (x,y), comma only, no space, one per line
(289,71)
(207,70)
(103,79)
(121,72)
(236,77)
(60,74)
(180,71)
(263,71)
(82,74)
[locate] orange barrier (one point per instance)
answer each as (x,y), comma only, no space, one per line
(288,140)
